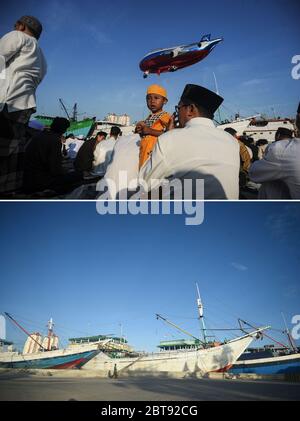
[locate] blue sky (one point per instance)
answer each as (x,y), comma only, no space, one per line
(93,49)
(92,273)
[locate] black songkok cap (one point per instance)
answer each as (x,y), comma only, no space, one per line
(201,96)
(283,131)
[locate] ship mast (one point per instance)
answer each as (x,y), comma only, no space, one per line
(50,325)
(64,108)
(217,92)
(2,327)
(200,311)
(75,112)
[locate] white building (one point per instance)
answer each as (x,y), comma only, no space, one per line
(123,119)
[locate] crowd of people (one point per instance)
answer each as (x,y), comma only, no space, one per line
(185,146)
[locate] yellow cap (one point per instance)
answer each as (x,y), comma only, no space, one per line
(158,90)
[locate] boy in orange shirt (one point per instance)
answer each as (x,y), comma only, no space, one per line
(155,124)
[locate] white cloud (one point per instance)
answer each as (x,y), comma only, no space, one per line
(253,82)
(99,36)
(239,266)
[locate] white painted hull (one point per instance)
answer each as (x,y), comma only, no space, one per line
(202,361)
(257,132)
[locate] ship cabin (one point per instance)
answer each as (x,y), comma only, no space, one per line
(97,338)
(184,345)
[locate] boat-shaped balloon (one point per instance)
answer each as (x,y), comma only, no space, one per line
(174,58)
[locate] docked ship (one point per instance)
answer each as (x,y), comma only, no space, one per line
(197,357)
(84,127)
(257,127)
(271,359)
(267,361)
(43,352)
(87,127)
(106,124)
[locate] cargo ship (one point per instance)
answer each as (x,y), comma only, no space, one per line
(77,127)
(196,357)
(267,361)
(44,353)
(277,358)
(258,127)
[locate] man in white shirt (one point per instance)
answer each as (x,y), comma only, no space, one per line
(279,170)
(123,170)
(197,150)
(104,150)
(23,68)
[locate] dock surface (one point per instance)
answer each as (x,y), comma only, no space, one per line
(20,387)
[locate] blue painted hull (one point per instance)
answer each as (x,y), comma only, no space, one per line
(63,361)
(273,365)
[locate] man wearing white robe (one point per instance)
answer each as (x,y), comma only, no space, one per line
(197,150)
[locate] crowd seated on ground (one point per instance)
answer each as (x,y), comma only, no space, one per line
(58,164)
(236,167)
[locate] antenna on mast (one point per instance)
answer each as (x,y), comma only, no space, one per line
(200,311)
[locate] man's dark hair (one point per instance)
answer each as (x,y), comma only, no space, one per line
(261,142)
(115,131)
(33,25)
(59,125)
(245,140)
(101,133)
(231,131)
(203,111)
